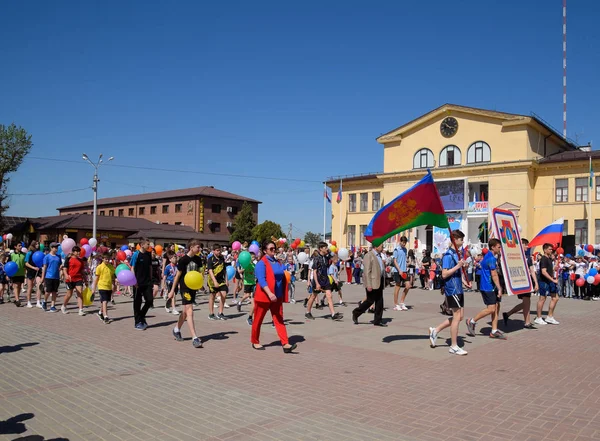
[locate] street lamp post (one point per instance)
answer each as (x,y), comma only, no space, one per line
(95,188)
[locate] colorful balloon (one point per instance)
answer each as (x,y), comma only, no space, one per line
(11,268)
(67,245)
(88,249)
(560,250)
(580,282)
(83,241)
(590,279)
(245,259)
(590,248)
(302,258)
(288,276)
(343,254)
(126,278)
(194,280)
(254,248)
(124,247)
(120,268)
(593,271)
(9,236)
(93,242)
(159,250)
(121,256)
(38,259)
(128,253)
(230,272)
(236,246)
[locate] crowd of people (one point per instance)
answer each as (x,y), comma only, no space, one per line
(275,273)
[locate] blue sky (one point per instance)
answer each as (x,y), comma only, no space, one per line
(292,90)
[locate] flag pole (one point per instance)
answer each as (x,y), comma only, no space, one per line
(340,205)
(590,185)
(324,209)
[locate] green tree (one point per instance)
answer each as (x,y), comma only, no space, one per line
(15,144)
(312,239)
(266,230)
(243,224)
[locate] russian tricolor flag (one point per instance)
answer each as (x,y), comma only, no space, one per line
(553,234)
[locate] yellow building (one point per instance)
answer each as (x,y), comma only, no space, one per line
(480,159)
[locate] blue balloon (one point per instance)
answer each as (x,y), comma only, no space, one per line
(0,239)
(255,243)
(581,253)
(38,259)
(11,269)
(230,272)
(124,248)
(593,272)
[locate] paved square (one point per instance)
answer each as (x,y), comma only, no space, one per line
(75,378)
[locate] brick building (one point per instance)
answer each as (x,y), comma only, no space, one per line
(207,210)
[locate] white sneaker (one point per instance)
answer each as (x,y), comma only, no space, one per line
(38,305)
(293,301)
(29,305)
(457,351)
(539,321)
(175,312)
(552,321)
(167,310)
(64,310)
(226,305)
(82,312)
(397,308)
(403,307)
(432,337)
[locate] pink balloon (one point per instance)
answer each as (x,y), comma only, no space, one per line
(236,246)
(580,282)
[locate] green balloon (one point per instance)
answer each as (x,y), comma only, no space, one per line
(121,268)
(245,259)
(42,247)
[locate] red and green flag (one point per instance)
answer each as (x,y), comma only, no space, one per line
(419,205)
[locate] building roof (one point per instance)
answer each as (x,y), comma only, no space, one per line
(11,221)
(161,195)
(579,155)
(447,108)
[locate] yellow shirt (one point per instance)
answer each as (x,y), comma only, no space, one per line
(106,275)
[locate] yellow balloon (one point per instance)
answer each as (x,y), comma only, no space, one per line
(194,280)
(302,244)
(333,249)
(330,279)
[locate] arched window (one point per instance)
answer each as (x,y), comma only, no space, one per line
(450,155)
(478,152)
(423,159)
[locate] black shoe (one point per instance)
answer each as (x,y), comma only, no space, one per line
(382,325)
(305,302)
(239,307)
(529,326)
(177,335)
(505,317)
(308,316)
(290,349)
(197,343)
(337,316)
(260,348)
(221,317)
(371,311)
(100,316)
(355,317)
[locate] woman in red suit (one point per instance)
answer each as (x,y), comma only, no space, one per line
(271,292)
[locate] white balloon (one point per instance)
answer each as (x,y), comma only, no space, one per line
(9,236)
(590,279)
(93,242)
(343,254)
(302,258)
(24,250)
(520,228)
(473,252)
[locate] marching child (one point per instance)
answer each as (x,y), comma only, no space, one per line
(170,272)
(291,268)
(333,272)
(104,282)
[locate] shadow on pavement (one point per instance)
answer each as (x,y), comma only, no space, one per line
(162,324)
(392,338)
(39,438)
(15,348)
(218,336)
(14,425)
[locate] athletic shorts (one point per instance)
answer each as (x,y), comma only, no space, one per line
(72,285)
(237,275)
(249,289)
(547,289)
(170,287)
(32,274)
(456,301)
(155,282)
(219,289)
(490,298)
(105,295)
(324,287)
(52,285)
(336,287)
(18,279)
(524,296)
(397,277)
(188,297)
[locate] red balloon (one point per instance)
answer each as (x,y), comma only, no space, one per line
(580,282)
(333,242)
(83,241)
(485,251)
(572,276)
(560,251)
(596,279)
(82,252)
(590,248)
(121,255)
(294,246)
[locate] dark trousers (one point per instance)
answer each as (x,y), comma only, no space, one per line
(304,273)
(357,276)
(373,296)
(142,293)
